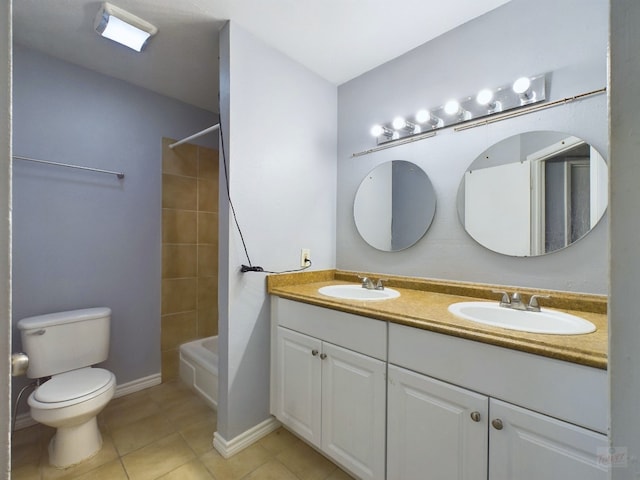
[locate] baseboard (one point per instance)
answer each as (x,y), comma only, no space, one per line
(227,448)
(137,385)
(24,420)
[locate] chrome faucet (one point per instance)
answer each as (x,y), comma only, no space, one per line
(515,301)
(368,283)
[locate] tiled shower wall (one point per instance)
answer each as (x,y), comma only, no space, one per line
(189,249)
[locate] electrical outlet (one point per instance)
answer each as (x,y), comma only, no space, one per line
(305,257)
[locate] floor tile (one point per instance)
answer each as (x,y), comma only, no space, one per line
(305,462)
(278,441)
(199,436)
(109,471)
(194,470)
(141,433)
(238,465)
(272,470)
(188,412)
(158,458)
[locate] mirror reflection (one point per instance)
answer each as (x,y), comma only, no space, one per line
(533,193)
(394,205)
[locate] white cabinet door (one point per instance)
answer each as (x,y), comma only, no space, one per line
(298,400)
(435,430)
(530,446)
(353,411)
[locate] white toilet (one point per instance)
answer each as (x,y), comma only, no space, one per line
(64,345)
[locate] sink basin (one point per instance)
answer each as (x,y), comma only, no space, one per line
(356,292)
(546,321)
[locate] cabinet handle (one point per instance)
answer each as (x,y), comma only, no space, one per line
(497,424)
(323,356)
(314,352)
(475,416)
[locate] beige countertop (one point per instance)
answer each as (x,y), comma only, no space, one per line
(424,303)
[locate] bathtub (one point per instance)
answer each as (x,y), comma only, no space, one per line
(199,368)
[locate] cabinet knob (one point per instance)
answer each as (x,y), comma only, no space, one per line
(475,416)
(497,424)
(323,356)
(314,352)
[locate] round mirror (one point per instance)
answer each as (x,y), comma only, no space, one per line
(394,205)
(533,193)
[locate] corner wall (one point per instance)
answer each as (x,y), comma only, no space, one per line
(83,239)
(5,235)
(279,127)
(567,40)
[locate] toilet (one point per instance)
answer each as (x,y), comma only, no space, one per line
(64,346)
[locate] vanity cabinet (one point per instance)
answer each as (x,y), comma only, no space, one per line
(331,395)
(435,430)
(453,426)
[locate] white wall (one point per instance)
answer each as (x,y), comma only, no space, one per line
(567,40)
(624,320)
(5,239)
(279,122)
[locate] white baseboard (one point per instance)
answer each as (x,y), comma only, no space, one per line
(137,385)
(227,448)
(24,420)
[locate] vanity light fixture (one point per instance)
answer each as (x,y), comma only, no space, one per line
(123,27)
(524,91)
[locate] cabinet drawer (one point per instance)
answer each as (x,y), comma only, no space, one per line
(360,334)
(568,391)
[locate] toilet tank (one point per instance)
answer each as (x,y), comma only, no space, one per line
(64,341)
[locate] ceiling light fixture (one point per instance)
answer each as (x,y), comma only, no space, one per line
(123,27)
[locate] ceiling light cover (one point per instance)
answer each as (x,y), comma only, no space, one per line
(123,27)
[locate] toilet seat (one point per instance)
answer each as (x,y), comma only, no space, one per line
(72,387)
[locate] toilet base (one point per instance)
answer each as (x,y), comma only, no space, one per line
(71,445)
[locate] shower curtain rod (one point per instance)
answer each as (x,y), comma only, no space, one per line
(195,135)
(120,175)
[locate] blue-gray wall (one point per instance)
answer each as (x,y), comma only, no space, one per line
(84,239)
(567,40)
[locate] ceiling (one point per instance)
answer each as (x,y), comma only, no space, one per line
(337,39)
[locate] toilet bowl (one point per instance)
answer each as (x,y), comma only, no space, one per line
(64,346)
(70,403)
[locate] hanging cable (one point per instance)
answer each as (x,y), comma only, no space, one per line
(250,267)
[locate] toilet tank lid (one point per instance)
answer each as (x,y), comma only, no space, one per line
(71,316)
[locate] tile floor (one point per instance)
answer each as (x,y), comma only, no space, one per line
(166,432)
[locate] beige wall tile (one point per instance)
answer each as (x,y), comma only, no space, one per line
(182,160)
(170,364)
(207,260)
(179,192)
(178,295)
(207,322)
(178,329)
(179,261)
(208,164)
(207,292)
(179,226)
(207,196)
(208,228)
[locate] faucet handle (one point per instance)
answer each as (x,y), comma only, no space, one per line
(533,302)
(366,282)
(380,284)
(505,300)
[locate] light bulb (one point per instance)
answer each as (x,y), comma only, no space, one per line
(377,130)
(422,116)
(451,107)
(521,85)
(398,123)
(395,136)
(484,97)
